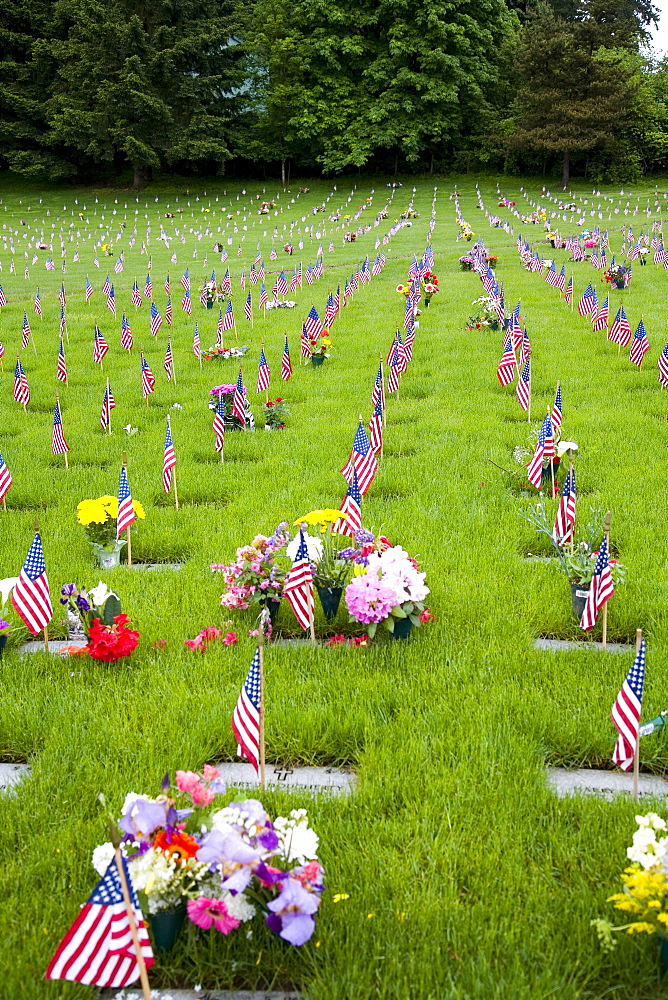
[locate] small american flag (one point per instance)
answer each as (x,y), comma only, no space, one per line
(168,285)
(226,283)
(25,333)
(185,280)
(108,404)
(556,415)
(601,321)
(626,712)
(313,324)
(352,506)
(601,588)
(148,287)
(111,301)
(168,460)
(263,373)
(395,368)
(587,303)
(663,366)
(126,334)
(362,460)
(564,525)
(544,450)
(620,330)
(242,279)
(264,298)
(218,425)
(3,297)
(147,378)
(61,367)
(31,597)
(376,428)
(98,948)
(118,266)
(5,479)
(136,298)
(228,318)
(298,585)
(58,443)
(126,512)
(568,294)
(197,349)
(106,287)
(378,391)
(639,346)
(168,363)
(246,715)
(248,308)
(219,329)
(168,312)
(506,370)
(156,319)
(523,390)
(37,305)
(21,387)
(62,323)
(186,302)
(252,275)
(239,401)
(100,346)
(286,364)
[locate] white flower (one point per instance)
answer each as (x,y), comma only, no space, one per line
(238,906)
(102,855)
(565,446)
(132,797)
(6,587)
(100,594)
(151,872)
(314,546)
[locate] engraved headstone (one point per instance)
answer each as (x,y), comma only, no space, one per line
(605,784)
(563,645)
(12,774)
(314,780)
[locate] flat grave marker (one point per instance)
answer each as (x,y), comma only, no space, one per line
(604,784)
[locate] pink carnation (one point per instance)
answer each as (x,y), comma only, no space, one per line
(206,913)
(211,773)
(187,780)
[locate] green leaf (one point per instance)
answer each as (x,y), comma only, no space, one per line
(416,621)
(389,624)
(398,612)
(371,629)
(112,608)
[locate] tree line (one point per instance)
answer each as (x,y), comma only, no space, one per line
(90,89)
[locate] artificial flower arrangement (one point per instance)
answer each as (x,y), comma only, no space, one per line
(429,286)
(226,391)
(618,275)
(99,520)
(492,260)
(224,353)
(280,304)
(486,317)
(466,262)
(225,864)
(275,412)
(108,631)
(255,576)
(645,893)
(321,347)
(211,634)
(403,289)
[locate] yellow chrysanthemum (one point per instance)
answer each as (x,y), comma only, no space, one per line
(138,509)
(321,517)
(91,511)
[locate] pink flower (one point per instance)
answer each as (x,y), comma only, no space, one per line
(200,795)
(211,912)
(159,643)
(229,639)
(211,773)
(210,633)
(196,643)
(187,780)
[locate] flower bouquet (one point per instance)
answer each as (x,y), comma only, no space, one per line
(618,275)
(429,286)
(332,562)
(466,262)
(224,353)
(492,260)
(390,590)
(255,577)
(227,390)
(99,520)
(320,348)
(107,630)
(275,412)
(222,866)
(486,317)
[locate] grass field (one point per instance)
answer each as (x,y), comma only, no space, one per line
(466,877)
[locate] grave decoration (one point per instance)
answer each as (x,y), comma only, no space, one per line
(107,630)
(390,589)
(99,518)
(221,866)
(275,412)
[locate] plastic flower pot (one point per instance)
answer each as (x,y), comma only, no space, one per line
(663,953)
(317,360)
(209,305)
(108,558)
(402,628)
(330,598)
(272,605)
(3,643)
(166,926)
(579,595)
(618,284)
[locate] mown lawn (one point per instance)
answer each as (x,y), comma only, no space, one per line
(465,876)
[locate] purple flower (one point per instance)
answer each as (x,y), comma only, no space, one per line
(363,537)
(82,603)
(292,913)
(142,818)
(369,600)
(236,858)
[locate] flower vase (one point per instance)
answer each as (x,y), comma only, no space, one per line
(317,360)
(426,303)
(166,926)
(579,598)
(108,558)
(75,628)
(618,284)
(663,953)
(330,598)
(402,628)
(209,304)
(272,605)
(3,643)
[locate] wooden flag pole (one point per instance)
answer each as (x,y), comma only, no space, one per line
(124,462)
(606,532)
(263,783)
(143,974)
(32,338)
(636,753)
(311,623)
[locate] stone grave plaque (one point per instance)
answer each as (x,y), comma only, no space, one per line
(318,780)
(563,645)
(605,784)
(12,774)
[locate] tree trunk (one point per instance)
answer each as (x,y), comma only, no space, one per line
(283,173)
(565,170)
(396,164)
(289,165)
(141,175)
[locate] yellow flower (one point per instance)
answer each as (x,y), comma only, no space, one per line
(323,517)
(338,896)
(138,509)
(326,341)
(91,511)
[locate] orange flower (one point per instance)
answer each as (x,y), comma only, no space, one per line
(182,845)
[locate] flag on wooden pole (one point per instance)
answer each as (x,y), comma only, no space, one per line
(5,479)
(352,506)
(298,585)
(626,712)
(286,364)
(544,450)
(564,525)
(246,715)
(126,512)
(263,373)
(362,460)
(239,401)
(31,597)
(218,425)
(21,387)
(168,459)
(59,445)
(601,588)
(61,367)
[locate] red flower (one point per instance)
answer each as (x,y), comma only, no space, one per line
(112,642)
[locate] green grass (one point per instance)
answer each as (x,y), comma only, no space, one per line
(466,877)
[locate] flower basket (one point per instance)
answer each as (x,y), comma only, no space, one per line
(165,927)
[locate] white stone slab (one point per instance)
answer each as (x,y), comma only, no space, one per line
(166,994)
(12,774)
(55,646)
(150,567)
(323,780)
(563,645)
(605,784)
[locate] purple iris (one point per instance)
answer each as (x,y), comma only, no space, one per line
(67,591)
(142,818)
(292,913)
(230,850)
(82,603)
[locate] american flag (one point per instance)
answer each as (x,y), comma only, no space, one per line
(185,280)
(376,428)
(515,327)
(186,302)
(626,711)
(148,287)
(248,308)
(126,512)
(273,255)
(378,391)
(126,334)
(601,321)
(226,283)
(168,285)
(136,298)
(2,350)
(239,400)
(21,387)
(168,312)
(523,390)
(111,301)
(282,284)
(556,415)
(298,585)
(620,330)
(242,279)
(228,318)
(561,280)
(156,319)
(218,425)
(25,334)
(197,349)
(219,329)
(544,450)
(61,367)
(263,373)
(58,443)
(118,266)
(37,305)
(601,588)
(106,287)
(352,506)
(564,525)
(168,363)
(395,368)
(100,346)
(168,460)
(98,948)
(568,294)
(313,324)
(639,346)
(108,404)
(663,366)
(588,302)
(264,298)
(506,370)
(362,460)
(309,275)
(286,364)
(551,275)
(30,596)
(247,713)
(3,297)
(5,478)
(252,275)
(62,322)
(147,378)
